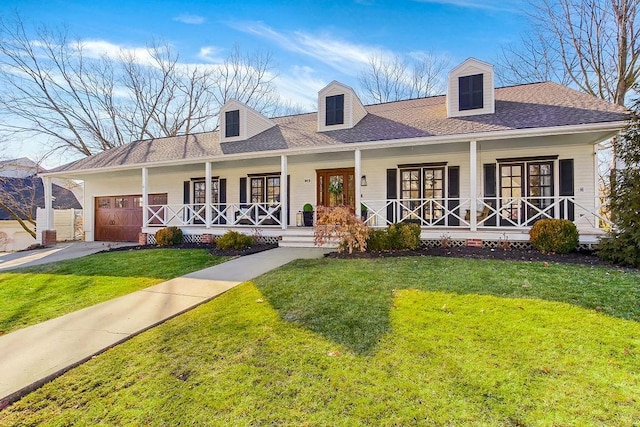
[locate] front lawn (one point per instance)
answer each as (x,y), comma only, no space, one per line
(415,341)
(32,295)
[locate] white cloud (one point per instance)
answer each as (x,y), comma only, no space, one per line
(300,86)
(187,18)
(500,5)
(210,54)
(99,48)
(344,56)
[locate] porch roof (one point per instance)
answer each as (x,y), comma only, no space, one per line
(532,106)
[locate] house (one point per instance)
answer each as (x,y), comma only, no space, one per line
(21,196)
(477,165)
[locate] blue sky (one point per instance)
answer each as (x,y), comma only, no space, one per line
(312,42)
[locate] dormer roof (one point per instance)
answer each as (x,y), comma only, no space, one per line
(250,122)
(338,98)
(470,89)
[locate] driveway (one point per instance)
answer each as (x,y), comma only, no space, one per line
(59,252)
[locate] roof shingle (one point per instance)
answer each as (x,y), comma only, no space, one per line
(538,105)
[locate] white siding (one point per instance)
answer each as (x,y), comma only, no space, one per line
(468,68)
(252,123)
(354,111)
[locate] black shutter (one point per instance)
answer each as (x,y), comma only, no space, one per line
(454,193)
(186,198)
(490,190)
(392,180)
(334,110)
(232,123)
(223,198)
(566,187)
(243,191)
(470,92)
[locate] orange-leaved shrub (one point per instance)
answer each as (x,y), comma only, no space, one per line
(339,224)
(554,236)
(169,236)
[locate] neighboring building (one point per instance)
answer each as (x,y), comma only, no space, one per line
(21,194)
(477,165)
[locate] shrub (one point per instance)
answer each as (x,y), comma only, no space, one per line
(169,236)
(395,237)
(378,240)
(554,236)
(342,225)
(307,208)
(234,240)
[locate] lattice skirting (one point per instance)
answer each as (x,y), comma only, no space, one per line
(197,238)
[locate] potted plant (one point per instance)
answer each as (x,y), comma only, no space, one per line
(363,212)
(307,215)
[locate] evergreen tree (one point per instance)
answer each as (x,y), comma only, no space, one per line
(622,246)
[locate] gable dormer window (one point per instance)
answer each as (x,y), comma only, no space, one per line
(232,123)
(335,110)
(471,93)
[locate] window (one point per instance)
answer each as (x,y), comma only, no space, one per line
(335,110)
(200,192)
(121,202)
(470,92)
(536,186)
(422,192)
(265,189)
(232,123)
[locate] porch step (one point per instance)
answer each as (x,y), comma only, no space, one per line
(300,238)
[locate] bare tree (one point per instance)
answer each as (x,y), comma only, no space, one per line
(52,86)
(394,78)
(591,44)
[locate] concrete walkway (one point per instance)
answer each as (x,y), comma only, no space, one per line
(32,356)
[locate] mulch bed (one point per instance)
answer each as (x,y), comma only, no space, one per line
(528,255)
(212,249)
(582,257)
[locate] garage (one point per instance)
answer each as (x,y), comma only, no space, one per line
(118,218)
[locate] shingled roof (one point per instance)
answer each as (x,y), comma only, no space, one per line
(531,106)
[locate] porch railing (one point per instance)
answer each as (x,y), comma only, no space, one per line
(438,213)
(221,214)
(490,212)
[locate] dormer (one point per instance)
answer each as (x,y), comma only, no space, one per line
(238,122)
(338,107)
(470,91)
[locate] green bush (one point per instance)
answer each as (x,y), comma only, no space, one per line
(395,237)
(554,236)
(377,240)
(169,236)
(234,240)
(620,248)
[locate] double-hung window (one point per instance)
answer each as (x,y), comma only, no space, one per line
(422,193)
(265,189)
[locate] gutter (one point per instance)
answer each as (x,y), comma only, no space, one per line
(613,127)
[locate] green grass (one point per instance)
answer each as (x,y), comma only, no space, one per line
(348,301)
(447,342)
(32,295)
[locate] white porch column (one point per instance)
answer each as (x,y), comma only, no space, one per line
(48,202)
(357,177)
(145,196)
(284,212)
(473,184)
(207,195)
